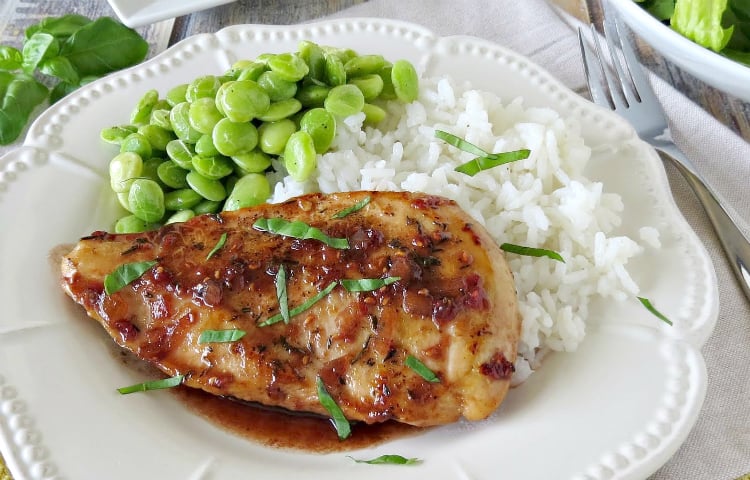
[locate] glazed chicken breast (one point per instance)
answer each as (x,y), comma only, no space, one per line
(410,314)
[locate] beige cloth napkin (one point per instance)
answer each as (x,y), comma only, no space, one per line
(718,447)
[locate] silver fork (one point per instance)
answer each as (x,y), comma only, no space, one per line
(627,91)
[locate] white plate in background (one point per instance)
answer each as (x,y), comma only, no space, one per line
(135,13)
(619,407)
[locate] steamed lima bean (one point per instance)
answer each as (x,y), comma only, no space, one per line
(209,144)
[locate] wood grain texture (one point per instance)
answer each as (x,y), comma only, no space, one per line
(279,12)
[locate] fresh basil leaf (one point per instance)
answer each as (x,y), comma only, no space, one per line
(299,230)
(103,46)
(221,336)
(389,460)
(21,95)
(367,284)
(61,68)
(301,308)
(531,251)
(125,274)
(343,428)
(37,48)
(421,369)
(354,208)
(460,143)
(219,245)
(59,27)
(479,164)
(10,58)
(484,160)
(6,78)
(650,307)
(281,294)
(61,90)
(152,385)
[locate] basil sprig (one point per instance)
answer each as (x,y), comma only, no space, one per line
(281,294)
(531,251)
(124,274)
(219,245)
(354,208)
(152,385)
(340,423)
(301,308)
(389,460)
(367,284)
(460,143)
(64,53)
(298,229)
(221,336)
(421,369)
(650,307)
(484,160)
(472,167)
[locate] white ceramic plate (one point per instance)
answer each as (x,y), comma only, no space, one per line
(714,69)
(135,13)
(619,407)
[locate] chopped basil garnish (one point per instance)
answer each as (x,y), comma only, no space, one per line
(389,460)
(472,167)
(125,274)
(532,252)
(340,423)
(460,143)
(357,206)
(281,295)
(367,284)
(415,364)
(219,245)
(484,160)
(301,308)
(299,230)
(152,385)
(649,306)
(221,336)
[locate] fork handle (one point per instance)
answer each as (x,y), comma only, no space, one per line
(732,239)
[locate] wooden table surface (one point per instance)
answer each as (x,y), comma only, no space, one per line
(16,15)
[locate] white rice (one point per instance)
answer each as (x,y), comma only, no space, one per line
(544,201)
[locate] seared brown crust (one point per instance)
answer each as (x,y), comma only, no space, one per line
(454,307)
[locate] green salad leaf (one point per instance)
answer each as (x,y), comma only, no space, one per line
(720,25)
(700,21)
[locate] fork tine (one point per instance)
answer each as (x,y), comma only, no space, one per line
(599,80)
(632,77)
(612,35)
(594,71)
(614,85)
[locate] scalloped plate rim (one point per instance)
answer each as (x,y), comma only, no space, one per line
(650,462)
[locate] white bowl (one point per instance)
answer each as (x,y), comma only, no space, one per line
(704,64)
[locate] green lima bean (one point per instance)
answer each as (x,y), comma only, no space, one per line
(208,144)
